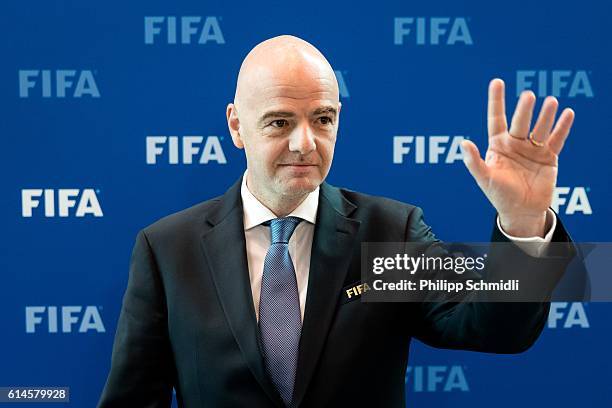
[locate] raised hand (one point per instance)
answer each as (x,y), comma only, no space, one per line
(519,172)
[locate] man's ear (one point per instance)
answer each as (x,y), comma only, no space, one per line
(233,123)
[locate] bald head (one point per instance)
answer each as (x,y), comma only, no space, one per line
(286,59)
(285,116)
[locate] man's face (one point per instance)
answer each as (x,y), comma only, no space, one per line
(287,125)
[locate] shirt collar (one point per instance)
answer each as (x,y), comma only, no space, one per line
(255,213)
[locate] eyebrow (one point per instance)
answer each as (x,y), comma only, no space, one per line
(326,109)
(275,114)
(284,114)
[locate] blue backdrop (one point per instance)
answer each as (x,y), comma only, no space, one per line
(113,115)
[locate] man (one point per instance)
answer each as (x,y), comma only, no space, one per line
(239,300)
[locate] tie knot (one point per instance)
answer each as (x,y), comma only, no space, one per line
(281,229)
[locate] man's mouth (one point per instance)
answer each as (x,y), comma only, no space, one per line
(297,164)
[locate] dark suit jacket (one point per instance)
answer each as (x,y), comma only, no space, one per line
(188,319)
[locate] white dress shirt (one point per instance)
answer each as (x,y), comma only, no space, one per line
(258,240)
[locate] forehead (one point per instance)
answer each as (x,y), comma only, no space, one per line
(292,88)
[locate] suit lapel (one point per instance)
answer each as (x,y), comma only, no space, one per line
(333,243)
(225,249)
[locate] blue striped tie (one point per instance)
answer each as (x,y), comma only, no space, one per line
(280,322)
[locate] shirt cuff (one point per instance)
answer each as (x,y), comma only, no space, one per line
(525,243)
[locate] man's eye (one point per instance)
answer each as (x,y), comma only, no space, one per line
(326,120)
(279,123)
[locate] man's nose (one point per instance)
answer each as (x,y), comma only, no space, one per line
(302,140)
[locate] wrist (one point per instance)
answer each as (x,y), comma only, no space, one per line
(525,226)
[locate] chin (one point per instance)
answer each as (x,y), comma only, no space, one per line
(299,186)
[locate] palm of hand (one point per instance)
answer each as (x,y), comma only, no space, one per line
(518,176)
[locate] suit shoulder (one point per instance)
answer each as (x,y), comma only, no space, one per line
(377,204)
(188,219)
(386,213)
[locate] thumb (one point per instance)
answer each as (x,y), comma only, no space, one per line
(474,163)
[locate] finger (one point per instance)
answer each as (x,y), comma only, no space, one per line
(546,119)
(521,120)
(496,111)
(474,163)
(561,130)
